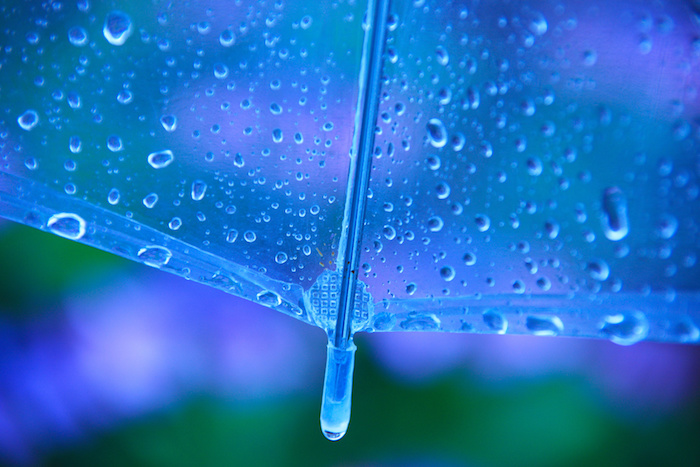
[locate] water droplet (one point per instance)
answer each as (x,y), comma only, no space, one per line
(298,138)
(538,24)
(552,228)
(277,135)
(433,162)
(598,270)
(114,143)
(615,223)
(495,321)
(411,288)
(169,122)
(625,328)
(469,258)
(75,145)
(231,235)
(281,257)
(117,27)
(155,256)
(447,273)
(113,196)
(442,190)
(534,166)
(269,298)
(74,101)
(67,225)
(420,322)
(667,226)
(435,224)
(685,331)
(227,38)
(220,71)
(249,236)
(160,159)
(77,36)
(199,188)
(544,283)
(437,134)
(389,232)
(306,22)
(443,58)
(31,163)
(175,223)
(544,325)
(518,287)
(150,200)
(28,120)
(483,222)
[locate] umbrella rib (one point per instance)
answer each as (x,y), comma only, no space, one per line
(359,177)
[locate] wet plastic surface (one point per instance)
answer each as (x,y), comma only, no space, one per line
(491,167)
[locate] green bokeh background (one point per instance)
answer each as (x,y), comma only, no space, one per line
(450,420)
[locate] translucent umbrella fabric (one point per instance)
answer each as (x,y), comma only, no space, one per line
(421,165)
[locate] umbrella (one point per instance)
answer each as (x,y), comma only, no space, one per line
(411,165)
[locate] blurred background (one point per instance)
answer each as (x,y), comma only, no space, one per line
(108,362)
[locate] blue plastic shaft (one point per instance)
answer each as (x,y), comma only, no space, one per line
(337,391)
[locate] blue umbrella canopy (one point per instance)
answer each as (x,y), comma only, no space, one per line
(411,165)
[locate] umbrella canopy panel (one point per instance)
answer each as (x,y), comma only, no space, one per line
(209,139)
(536,170)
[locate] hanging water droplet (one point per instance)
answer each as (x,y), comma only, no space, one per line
(495,321)
(117,28)
(154,256)
(67,225)
(437,134)
(615,223)
(420,322)
(685,331)
(544,325)
(113,196)
(77,36)
(28,120)
(269,298)
(160,159)
(625,328)
(199,188)
(277,135)
(169,122)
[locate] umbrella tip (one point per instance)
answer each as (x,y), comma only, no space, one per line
(337,391)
